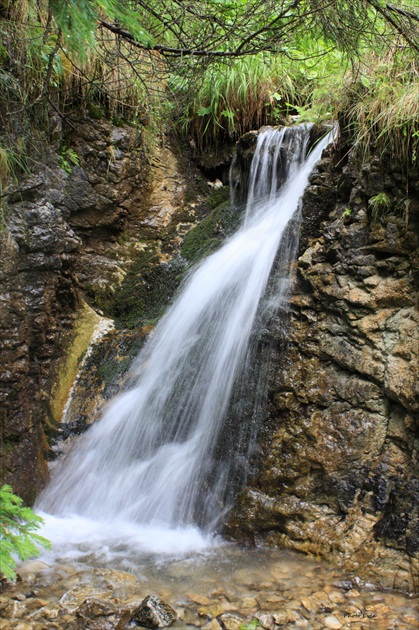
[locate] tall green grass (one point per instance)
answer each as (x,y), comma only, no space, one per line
(375,97)
(231,98)
(383,107)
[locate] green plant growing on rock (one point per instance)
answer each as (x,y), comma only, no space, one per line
(18,525)
(250,626)
(209,234)
(13,161)
(68,159)
(380,203)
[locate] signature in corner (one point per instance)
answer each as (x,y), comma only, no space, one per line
(361,614)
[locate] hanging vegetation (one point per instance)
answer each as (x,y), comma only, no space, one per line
(219,67)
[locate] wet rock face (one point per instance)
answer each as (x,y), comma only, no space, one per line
(47,225)
(339,475)
(37,299)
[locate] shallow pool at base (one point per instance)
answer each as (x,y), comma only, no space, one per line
(220,581)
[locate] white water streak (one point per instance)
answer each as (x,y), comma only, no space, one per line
(152,460)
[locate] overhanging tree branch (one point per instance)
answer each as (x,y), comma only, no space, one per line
(385,12)
(269,26)
(404,12)
(175,52)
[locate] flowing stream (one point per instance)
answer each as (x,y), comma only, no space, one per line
(156,471)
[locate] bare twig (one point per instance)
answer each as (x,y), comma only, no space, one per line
(63,116)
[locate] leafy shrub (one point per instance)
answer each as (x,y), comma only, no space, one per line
(17,537)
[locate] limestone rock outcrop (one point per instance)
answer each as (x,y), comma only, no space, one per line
(338,477)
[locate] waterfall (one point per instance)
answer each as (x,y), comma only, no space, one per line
(156,458)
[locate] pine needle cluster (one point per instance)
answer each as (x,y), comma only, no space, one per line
(18,539)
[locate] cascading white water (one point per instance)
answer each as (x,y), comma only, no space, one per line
(153,459)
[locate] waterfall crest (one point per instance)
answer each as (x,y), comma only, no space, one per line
(153,458)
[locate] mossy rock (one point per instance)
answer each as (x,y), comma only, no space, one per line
(146,290)
(219,196)
(150,284)
(210,233)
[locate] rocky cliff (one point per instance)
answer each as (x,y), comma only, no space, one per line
(68,235)
(338,477)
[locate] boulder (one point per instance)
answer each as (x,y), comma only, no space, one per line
(96,614)
(153,612)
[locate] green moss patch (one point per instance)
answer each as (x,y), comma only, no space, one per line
(210,233)
(146,289)
(151,283)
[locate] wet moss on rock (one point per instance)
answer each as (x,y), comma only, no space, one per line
(102,376)
(210,233)
(150,282)
(146,290)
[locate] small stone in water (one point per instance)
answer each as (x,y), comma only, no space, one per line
(249,602)
(336,597)
(46,612)
(267,622)
(97,614)
(345,585)
(293,616)
(332,622)
(210,611)
(410,620)
(308,604)
(73,599)
(154,613)
(280,618)
(230,622)
(274,599)
(199,599)
(12,609)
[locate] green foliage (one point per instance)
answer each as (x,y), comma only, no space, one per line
(379,204)
(77,22)
(17,537)
(250,626)
(68,158)
(228,66)
(378,101)
(264,89)
(13,161)
(55,51)
(236,97)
